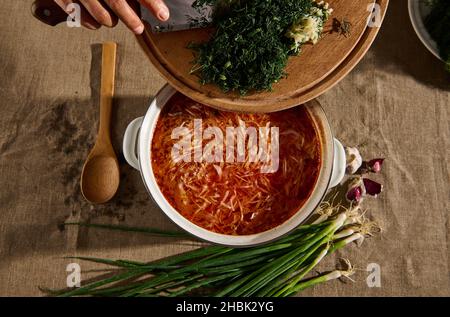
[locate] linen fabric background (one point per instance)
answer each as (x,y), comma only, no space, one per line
(394,104)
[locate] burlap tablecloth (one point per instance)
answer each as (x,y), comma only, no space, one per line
(394,105)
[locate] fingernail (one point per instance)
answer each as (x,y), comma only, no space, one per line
(139,29)
(163,14)
(91,26)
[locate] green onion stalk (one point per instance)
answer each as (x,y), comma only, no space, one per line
(277,269)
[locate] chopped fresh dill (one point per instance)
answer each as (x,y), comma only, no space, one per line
(253,41)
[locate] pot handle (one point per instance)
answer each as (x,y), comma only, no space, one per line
(48,11)
(339,164)
(130,141)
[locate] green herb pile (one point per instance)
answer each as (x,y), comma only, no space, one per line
(277,269)
(249,50)
(438,25)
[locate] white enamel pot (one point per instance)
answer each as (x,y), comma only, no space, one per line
(137,151)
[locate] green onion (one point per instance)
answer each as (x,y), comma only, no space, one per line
(151,231)
(275,269)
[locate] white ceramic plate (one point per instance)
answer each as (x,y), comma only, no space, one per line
(418,10)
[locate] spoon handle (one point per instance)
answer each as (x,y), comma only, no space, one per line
(107,89)
(48,11)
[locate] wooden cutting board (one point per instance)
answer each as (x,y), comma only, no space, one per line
(316,70)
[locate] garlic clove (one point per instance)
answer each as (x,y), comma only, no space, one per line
(354,160)
(356,190)
(372,188)
(355,194)
(375,165)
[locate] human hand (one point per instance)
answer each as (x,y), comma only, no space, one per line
(95,13)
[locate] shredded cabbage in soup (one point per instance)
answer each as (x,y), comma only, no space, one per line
(236,197)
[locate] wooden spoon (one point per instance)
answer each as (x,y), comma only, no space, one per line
(100,177)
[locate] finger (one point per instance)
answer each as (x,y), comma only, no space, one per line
(100,13)
(127,15)
(158,7)
(86,19)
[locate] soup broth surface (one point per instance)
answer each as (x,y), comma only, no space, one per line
(226,191)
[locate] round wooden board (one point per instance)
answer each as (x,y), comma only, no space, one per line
(316,70)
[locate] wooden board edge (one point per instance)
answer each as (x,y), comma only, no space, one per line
(320,88)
